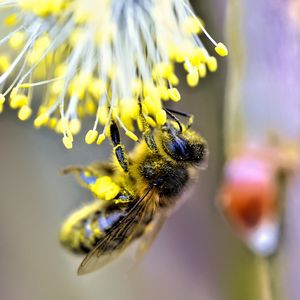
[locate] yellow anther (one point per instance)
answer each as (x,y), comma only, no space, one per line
(191,25)
(161,117)
(163,92)
(150,121)
(76,36)
(13,92)
(162,70)
(91,136)
(42,43)
(100,139)
(59,126)
(131,135)
(24,113)
(56,87)
(41,120)
(61,70)
(152,105)
(197,57)
(2,99)
(67,142)
(4,63)
(140,124)
(90,106)
(96,88)
(69,134)
(221,49)
(129,108)
(11,20)
(192,78)
(17,40)
(202,70)
(136,86)
(52,123)
(18,101)
(173,79)
(212,64)
(75,126)
(174,94)
(1,108)
(25,85)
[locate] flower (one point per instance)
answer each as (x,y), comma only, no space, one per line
(99,58)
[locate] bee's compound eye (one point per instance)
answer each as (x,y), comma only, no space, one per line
(186,150)
(177,148)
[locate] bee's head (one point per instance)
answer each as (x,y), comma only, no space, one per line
(183,145)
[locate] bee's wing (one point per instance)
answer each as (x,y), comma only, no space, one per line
(88,175)
(150,234)
(119,236)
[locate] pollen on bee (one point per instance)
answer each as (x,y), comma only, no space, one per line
(104,188)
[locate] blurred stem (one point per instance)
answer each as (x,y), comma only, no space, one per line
(264,275)
(233,119)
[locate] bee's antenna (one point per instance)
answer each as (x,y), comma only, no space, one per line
(183,114)
(174,118)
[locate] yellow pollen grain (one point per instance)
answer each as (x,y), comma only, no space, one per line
(221,49)
(131,135)
(91,136)
(191,25)
(202,70)
(174,94)
(4,63)
(18,101)
(100,139)
(24,113)
(192,78)
(161,117)
(75,126)
(41,120)
(212,64)
(11,20)
(17,40)
(2,99)
(150,121)
(173,79)
(67,142)
(52,123)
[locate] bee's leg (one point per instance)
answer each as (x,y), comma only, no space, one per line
(118,147)
(171,113)
(147,132)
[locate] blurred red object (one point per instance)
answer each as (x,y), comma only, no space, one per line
(249,198)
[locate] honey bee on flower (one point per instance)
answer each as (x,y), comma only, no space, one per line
(101,58)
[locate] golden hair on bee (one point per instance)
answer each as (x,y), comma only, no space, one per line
(134,193)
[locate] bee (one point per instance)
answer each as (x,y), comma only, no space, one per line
(134,193)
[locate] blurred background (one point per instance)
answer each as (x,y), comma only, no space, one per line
(196,256)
